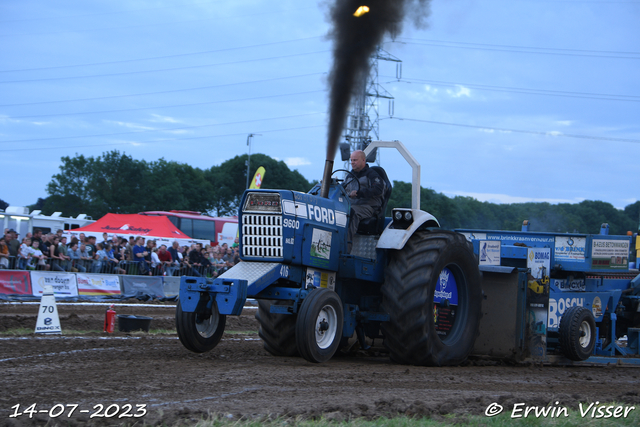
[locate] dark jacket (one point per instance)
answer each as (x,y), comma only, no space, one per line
(372,186)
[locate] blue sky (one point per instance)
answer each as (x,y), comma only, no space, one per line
(501,100)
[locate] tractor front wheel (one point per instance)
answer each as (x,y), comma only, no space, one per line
(197,332)
(319,325)
(433,297)
(278,331)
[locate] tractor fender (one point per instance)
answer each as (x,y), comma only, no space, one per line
(395,238)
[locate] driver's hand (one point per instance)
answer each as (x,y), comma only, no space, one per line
(353,194)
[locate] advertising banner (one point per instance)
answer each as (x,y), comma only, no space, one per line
(570,248)
(171,286)
(64,284)
(98,285)
(610,254)
(13,282)
(133,286)
(489,252)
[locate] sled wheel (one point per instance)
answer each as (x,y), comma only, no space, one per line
(577,333)
(198,333)
(319,325)
(433,297)
(278,331)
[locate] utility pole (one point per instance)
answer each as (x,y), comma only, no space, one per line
(248,162)
(364,118)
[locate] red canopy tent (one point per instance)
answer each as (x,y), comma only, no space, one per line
(158,228)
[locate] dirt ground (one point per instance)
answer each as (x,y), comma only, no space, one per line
(240,379)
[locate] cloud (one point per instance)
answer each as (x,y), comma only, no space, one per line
(157,118)
(130,125)
(459,92)
(296,161)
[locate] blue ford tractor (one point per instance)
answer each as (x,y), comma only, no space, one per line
(405,281)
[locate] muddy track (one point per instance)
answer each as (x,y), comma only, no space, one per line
(241,379)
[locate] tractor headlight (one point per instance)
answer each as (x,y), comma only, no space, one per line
(402,218)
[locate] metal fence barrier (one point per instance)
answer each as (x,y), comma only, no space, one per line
(144,268)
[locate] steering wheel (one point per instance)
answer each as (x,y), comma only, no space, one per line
(355,178)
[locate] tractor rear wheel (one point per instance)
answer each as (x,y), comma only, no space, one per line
(433,297)
(197,332)
(278,331)
(577,333)
(319,325)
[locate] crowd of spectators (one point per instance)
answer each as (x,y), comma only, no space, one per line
(115,255)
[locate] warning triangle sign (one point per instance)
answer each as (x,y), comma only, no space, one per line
(48,321)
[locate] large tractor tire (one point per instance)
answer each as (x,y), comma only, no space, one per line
(577,332)
(278,331)
(433,297)
(198,333)
(319,325)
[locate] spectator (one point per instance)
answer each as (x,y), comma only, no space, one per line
(91,246)
(54,254)
(228,256)
(46,243)
(207,268)
(63,251)
(188,267)
(85,258)
(12,242)
(174,251)
(75,254)
(105,240)
(128,250)
(38,259)
(195,257)
(167,260)
(82,238)
(112,265)
(4,253)
(139,254)
(101,259)
(37,236)
(24,253)
(236,243)
(156,264)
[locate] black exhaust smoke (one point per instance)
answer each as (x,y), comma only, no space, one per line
(358,28)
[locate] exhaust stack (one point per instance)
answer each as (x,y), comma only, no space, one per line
(326,178)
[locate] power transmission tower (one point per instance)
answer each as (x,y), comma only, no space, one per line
(363,123)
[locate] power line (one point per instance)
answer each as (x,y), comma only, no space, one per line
(164,69)
(156,141)
(160,107)
(177,55)
(121,27)
(100,14)
(587,95)
(519,49)
(161,92)
(137,132)
(532,132)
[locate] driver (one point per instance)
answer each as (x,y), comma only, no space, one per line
(366,200)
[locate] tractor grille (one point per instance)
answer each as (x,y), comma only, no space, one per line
(262,236)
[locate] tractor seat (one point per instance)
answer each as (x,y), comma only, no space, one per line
(375,224)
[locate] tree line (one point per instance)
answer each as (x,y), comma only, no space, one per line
(116,183)
(467,212)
